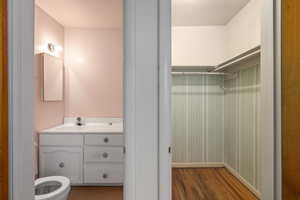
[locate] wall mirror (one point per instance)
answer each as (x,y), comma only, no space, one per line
(52,78)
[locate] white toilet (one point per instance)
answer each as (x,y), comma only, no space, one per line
(52,188)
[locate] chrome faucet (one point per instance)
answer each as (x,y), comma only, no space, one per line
(79,121)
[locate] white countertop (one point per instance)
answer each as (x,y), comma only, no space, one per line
(71,128)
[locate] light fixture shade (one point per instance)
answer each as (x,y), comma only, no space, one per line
(51,47)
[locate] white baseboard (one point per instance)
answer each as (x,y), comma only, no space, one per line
(246,183)
(197,165)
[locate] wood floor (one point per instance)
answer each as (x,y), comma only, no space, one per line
(188,184)
(96,193)
(208,184)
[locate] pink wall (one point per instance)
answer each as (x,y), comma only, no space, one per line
(47,114)
(93,71)
(93,61)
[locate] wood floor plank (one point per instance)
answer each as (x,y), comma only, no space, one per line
(188,184)
(208,184)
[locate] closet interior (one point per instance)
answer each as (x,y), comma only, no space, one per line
(216,101)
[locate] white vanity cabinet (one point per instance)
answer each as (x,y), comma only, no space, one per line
(85,158)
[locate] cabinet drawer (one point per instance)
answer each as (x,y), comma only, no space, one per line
(103,173)
(56,161)
(61,140)
(103,154)
(104,140)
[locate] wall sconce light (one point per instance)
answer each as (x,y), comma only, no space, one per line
(53,48)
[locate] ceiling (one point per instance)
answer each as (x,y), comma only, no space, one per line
(205,12)
(85,13)
(109,13)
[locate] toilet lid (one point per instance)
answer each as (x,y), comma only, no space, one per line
(63,181)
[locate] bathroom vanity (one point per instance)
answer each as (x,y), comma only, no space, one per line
(91,154)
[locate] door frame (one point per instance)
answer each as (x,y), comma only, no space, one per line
(165,88)
(141,102)
(270,101)
(20,62)
(141,98)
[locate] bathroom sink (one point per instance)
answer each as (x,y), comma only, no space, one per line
(73,128)
(88,128)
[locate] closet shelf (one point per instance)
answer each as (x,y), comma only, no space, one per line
(192,68)
(199,73)
(238,59)
(243,88)
(220,69)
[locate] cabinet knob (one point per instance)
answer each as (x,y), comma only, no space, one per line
(106,140)
(105,176)
(61,165)
(105,155)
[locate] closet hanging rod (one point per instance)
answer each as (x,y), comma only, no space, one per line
(200,73)
(243,88)
(192,67)
(249,54)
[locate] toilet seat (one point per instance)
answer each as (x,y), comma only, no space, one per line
(65,184)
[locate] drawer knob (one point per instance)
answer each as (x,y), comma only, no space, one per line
(105,155)
(61,165)
(105,176)
(106,140)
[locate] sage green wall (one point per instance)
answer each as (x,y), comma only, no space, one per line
(242,118)
(197,111)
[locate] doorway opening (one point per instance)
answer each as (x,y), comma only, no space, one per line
(216,65)
(78,107)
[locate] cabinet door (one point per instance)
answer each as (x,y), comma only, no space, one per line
(62,161)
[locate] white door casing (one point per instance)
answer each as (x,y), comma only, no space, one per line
(165,83)
(141,99)
(21,90)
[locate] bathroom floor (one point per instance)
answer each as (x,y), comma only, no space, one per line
(96,193)
(188,184)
